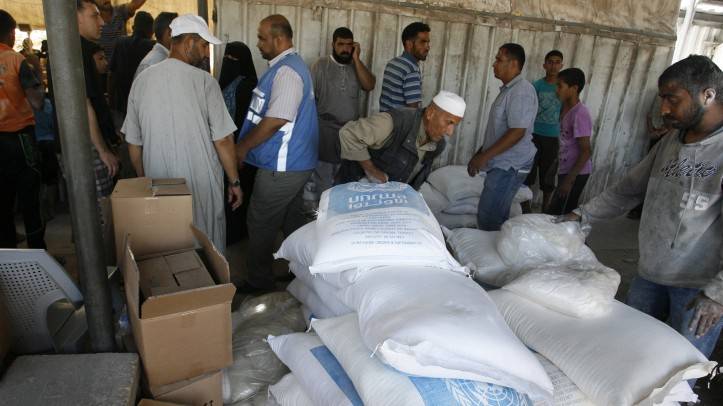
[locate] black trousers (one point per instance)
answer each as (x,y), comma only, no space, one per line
(20,177)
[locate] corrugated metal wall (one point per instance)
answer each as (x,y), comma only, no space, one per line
(621,67)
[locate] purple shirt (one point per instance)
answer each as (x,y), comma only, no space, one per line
(575,123)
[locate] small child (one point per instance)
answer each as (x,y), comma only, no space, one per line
(575,131)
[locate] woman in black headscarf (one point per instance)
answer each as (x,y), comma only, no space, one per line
(237,81)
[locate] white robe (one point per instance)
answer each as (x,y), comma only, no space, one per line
(175,112)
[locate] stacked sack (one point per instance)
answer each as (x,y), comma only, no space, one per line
(559,300)
(255,366)
(453,196)
(397,320)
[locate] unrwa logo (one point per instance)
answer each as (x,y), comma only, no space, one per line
(375,200)
(371,187)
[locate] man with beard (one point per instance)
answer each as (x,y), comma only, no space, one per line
(402,85)
(679,279)
(280,137)
(337,80)
(178,126)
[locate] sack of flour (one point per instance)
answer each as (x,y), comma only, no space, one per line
(364,225)
(443,325)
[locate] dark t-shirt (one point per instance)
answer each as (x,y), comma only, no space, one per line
(96,95)
(128,54)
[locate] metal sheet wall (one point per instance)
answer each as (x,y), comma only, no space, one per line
(621,68)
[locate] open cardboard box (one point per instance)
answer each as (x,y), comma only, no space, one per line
(205,390)
(180,335)
(156,212)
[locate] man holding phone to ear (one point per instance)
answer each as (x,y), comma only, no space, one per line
(338,81)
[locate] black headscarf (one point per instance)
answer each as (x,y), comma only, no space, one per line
(243,65)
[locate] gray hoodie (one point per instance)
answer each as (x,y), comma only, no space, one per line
(681,232)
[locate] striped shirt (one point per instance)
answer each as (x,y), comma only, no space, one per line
(402,83)
(112,30)
(286,92)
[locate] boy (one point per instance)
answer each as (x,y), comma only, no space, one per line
(575,131)
(547,129)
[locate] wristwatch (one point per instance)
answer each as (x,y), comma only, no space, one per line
(237,182)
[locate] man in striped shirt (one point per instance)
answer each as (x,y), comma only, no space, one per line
(402,85)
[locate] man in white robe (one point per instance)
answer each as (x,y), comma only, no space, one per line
(178,126)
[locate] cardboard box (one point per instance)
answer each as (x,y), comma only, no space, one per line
(156,212)
(173,272)
(151,402)
(205,390)
(183,334)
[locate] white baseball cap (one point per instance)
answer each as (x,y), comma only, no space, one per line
(450,102)
(192,24)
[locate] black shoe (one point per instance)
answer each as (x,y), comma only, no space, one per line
(248,289)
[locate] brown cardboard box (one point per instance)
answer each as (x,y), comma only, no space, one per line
(151,402)
(156,212)
(205,390)
(183,334)
(174,272)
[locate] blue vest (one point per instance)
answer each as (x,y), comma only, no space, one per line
(295,147)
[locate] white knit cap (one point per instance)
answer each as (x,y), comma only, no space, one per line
(450,102)
(192,24)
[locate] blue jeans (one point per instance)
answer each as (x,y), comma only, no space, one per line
(494,204)
(668,304)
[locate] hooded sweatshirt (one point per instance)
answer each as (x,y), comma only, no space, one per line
(680,232)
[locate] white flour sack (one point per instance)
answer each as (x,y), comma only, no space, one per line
(441,324)
(623,358)
(532,240)
(583,290)
(379,385)
(363,225)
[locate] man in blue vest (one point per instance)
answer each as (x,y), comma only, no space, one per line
(280,137)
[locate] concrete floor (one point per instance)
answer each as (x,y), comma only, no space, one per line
(614,243)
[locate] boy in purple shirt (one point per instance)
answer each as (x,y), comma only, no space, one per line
(575,131)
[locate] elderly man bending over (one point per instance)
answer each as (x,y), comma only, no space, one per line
(399,145)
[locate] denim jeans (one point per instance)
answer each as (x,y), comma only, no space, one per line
(668,304)
(494,204)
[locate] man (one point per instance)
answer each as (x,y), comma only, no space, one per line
(114,19)
(402,84)
(679,272)
(337,80)
(129,51)
(280,138)
(546,133)
(159,52)
(399,145)
(508,152)
(100,121)
(20,92)
(177,126)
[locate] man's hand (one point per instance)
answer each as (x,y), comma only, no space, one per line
(707,313)
(356,52)
(376,176)
(476,164)
(567,217)
(235,196)
(241,152)
(110,161)
(565,187)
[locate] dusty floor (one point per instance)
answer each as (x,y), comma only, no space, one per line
(614,242)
